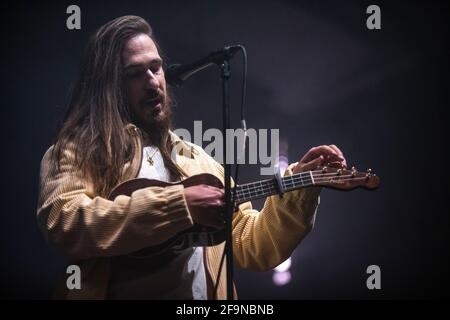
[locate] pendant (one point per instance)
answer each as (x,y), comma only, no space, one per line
(150,161)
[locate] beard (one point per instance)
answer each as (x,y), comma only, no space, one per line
(157,121)
(156,125)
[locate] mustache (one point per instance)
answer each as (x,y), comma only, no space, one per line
(155,94)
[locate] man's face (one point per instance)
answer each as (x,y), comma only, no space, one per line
(144,83)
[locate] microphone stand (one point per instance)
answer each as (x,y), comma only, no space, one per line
(225,75)
(176,75)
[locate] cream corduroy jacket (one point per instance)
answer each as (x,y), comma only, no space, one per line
(89,229)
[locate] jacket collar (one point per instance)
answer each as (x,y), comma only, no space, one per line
(174,139)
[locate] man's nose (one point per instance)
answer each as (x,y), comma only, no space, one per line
(151,81)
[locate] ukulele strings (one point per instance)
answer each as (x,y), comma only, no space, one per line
(260,190)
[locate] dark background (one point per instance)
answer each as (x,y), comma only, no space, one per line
(315,72)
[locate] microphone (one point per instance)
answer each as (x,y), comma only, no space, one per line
(176,74)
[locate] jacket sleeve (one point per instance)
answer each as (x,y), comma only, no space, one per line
(83,225)
(263,239)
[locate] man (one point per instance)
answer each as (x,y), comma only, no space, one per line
(117,128)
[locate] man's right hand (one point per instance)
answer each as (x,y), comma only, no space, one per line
(206,205)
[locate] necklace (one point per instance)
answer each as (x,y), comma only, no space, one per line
(150,157)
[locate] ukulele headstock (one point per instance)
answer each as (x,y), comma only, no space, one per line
(345,179)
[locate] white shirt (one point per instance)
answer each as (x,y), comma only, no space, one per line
(182,278)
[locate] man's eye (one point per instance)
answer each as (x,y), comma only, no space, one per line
(135,74)
(156,70)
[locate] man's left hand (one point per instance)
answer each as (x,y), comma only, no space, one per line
(325,155)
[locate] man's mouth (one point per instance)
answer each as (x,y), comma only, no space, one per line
(155,103)
(154,100)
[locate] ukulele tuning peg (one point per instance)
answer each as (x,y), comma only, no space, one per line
(339,172)
(353,172)
(369,174)
(324,169)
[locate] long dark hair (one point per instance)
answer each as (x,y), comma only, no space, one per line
(97,113)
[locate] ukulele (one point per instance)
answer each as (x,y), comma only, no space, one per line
(198,235)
